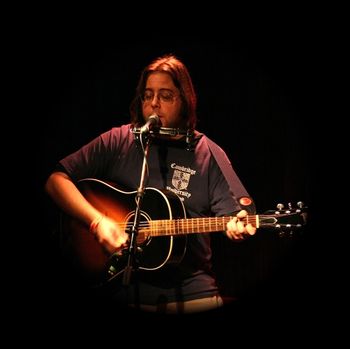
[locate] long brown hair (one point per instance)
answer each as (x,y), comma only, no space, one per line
(181,79)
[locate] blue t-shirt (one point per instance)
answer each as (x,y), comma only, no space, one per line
(191,173)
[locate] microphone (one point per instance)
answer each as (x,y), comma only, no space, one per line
(152,122)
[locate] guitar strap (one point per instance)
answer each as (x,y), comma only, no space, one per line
(236,186)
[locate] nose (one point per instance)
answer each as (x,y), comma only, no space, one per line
(155,100)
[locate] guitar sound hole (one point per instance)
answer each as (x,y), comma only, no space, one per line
(143,238)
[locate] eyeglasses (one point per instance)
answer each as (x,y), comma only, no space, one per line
(166,96)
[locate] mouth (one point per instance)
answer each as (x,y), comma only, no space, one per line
(160,120)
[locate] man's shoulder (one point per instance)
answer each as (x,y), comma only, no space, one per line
(125,128)
(117,134)
(204,139)
(122,130)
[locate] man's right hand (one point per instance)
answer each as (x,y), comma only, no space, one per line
(109,234)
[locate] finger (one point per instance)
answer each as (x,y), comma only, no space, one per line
(231,224)
(240,227)
(233,236)
(239,236)
(250,229)
(242,214)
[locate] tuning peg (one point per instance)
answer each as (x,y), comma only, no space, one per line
(286,234)
(280,207)
(300,204)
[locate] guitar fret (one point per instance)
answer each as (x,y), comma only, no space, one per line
(170,224)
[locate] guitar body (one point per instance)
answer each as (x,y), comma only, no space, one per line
(86,255)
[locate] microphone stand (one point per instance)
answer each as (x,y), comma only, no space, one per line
(132,263)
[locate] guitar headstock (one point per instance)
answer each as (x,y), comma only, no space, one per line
(285,220)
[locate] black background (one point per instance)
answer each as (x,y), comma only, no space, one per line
(256,98)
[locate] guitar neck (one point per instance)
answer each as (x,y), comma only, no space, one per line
(194,225)
(215,224)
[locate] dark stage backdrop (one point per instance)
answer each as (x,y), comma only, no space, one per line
(253,100)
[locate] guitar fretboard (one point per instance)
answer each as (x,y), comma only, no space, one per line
(192,225)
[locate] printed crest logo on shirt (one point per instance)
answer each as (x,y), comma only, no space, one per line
(180,179)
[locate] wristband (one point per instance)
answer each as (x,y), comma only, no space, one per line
(94,224)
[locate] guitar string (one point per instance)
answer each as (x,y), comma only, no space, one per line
(203,222)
